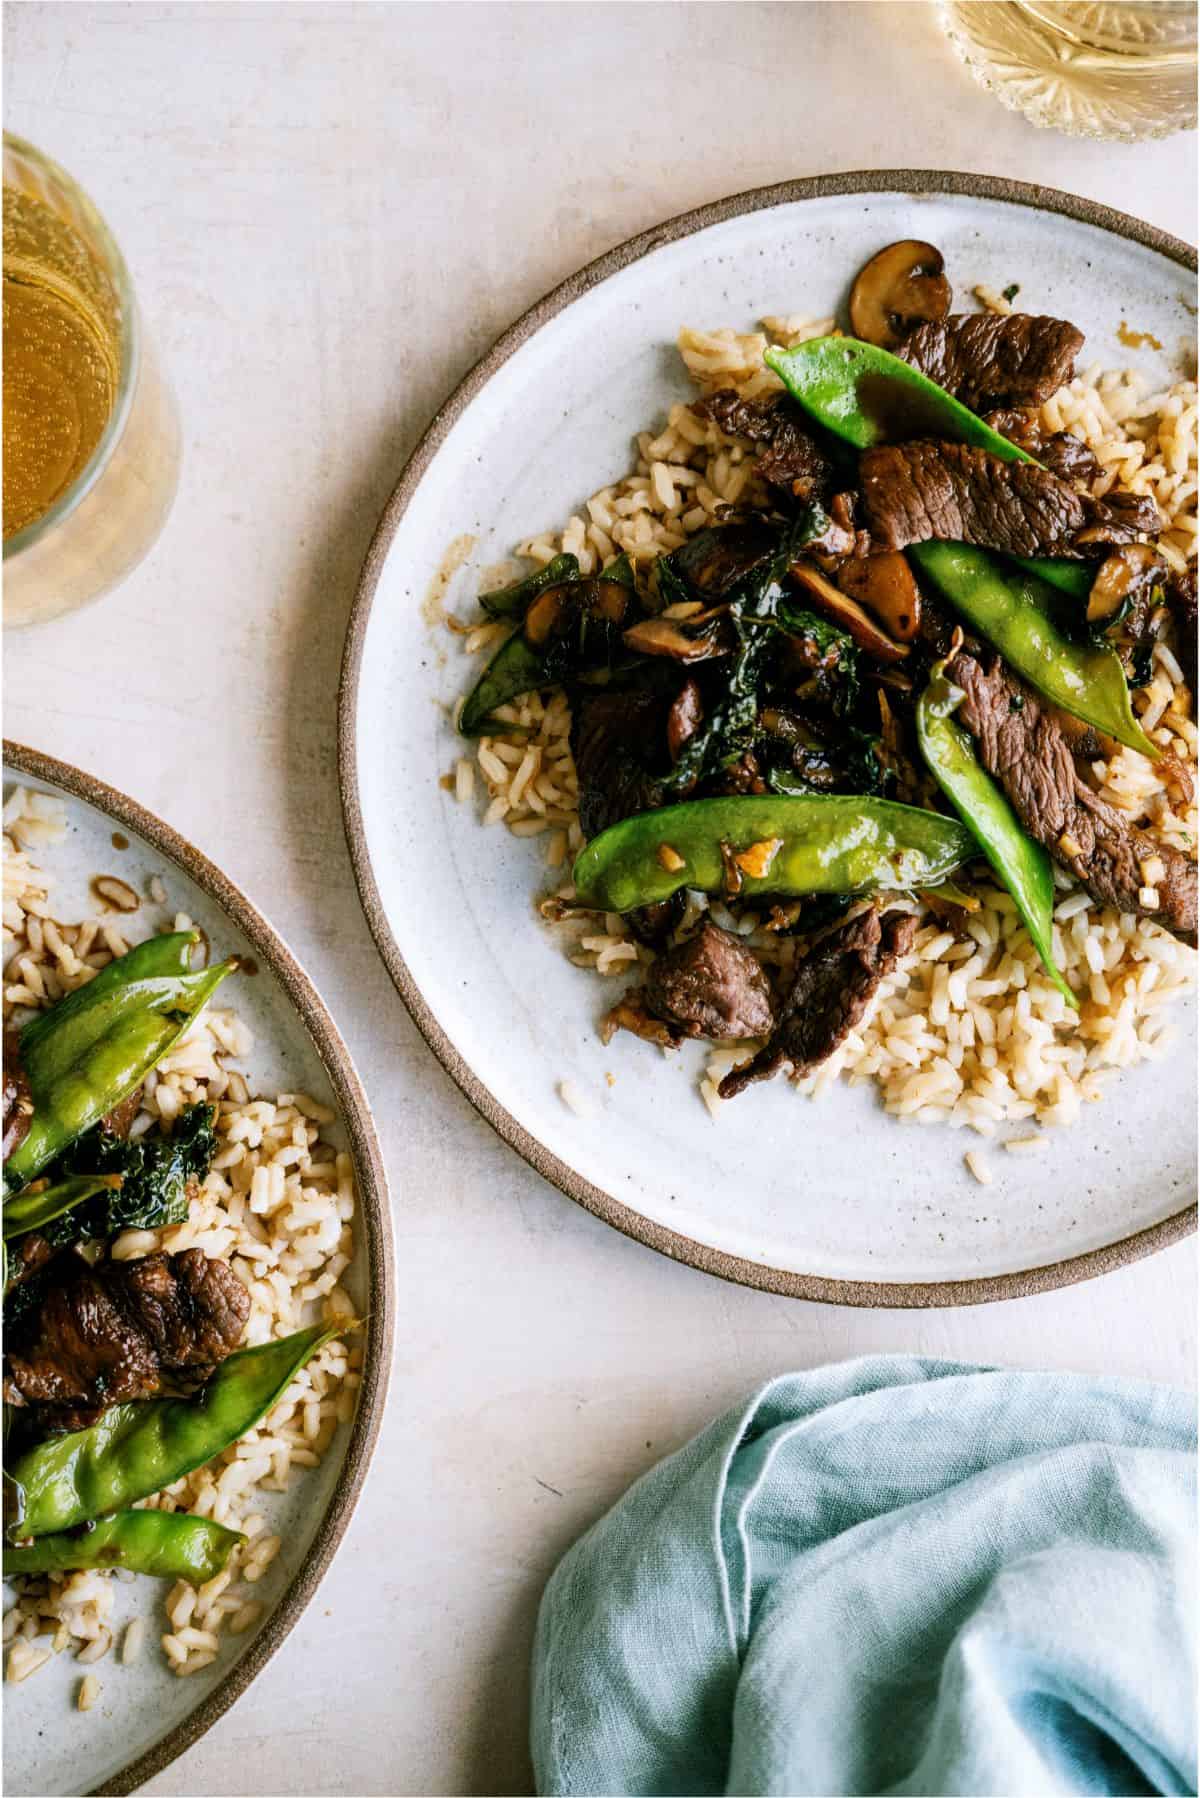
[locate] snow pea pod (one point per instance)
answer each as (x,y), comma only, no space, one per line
(136,1449)
(86,1054)
(809,843)
(166,1544)
(1022,865)
(114,992)
(511,601)
(514,669)
(568,627)
(33,1210)
(1015,613)
(868,396)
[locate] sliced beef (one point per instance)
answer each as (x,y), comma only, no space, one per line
(711,985)
(1023,745)
(790,458)
(1061,452)
(1181,598)
(27,1256)
(18,1101)
(104,1335)
(912,492)
(985,360)
(619,741)
(831,989)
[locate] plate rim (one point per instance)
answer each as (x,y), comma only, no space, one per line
(676,1246)
(371,1175)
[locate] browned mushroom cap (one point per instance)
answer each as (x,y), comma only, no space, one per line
(552,610)
(885,585)
(1120,577)
(847,613)
(900,288)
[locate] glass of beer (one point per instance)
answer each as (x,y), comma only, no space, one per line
(1119,69)
(91,434)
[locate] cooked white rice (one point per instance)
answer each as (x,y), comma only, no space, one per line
(968,1031)
(278,1204)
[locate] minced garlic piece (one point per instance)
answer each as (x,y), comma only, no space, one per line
(756,861)
(670,859)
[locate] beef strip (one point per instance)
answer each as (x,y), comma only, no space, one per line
(790,458)
(18,1101)
(831,988)
(710,985)
(104,1335)
(1061,452)
(985,360)
(1181,598)
(912,492)
(1023,745)
(618,740)
(27,1256)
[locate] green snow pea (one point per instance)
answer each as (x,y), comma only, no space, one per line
(136,1449)
(166,1544)
(33,1210)
(568,627)
(868,396)
(1022,865)
(514,669)
(88,1052)
(1015,613)
(513,601)
(801,843)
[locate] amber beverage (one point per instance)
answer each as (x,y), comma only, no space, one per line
(91,438)
(1119,69)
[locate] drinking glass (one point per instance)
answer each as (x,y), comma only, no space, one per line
(92,517)
(1121,69)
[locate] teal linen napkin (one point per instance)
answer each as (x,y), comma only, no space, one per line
(892,1576)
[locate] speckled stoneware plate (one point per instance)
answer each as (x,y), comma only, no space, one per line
(145,1715)
(832,1200)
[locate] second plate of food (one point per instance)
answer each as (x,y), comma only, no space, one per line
(198,1287)
(991,1084)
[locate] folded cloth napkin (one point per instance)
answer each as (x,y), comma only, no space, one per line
(895,1575)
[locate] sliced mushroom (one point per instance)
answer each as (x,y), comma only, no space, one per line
(666,637)
(885,585)
(716,559)
(902,286)
(847,613)
(553,610)
(1119,579)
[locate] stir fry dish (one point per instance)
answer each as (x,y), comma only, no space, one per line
(121,1375)
(875,686)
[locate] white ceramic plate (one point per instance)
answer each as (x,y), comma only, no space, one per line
(145,1715)
(834,1199)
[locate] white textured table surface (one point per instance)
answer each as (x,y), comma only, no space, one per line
(331,211)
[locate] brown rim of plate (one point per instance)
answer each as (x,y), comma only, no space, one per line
(375,1210)
(631,1223)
